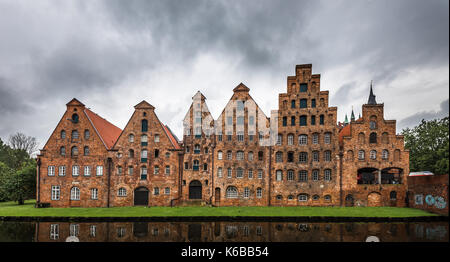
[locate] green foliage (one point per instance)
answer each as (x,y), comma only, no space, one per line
(17,174)
(428,144)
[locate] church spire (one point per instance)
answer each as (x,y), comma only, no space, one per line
(371,96)
(346,120)
(352,118)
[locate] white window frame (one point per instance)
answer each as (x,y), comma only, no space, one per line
(94,193)
(56,193)
(75,193)
(75,170)
(122,192)
(259,192)
(87,171)
(51,170)
(62,171)
(99,170)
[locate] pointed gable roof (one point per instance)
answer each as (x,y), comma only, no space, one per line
(241,88)
(144,105)
(74,102)
(107,132)
(202,97)
(171,136)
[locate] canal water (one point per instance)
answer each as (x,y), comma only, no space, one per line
(11,231)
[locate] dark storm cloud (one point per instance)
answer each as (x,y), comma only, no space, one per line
(10,101)
(415,119)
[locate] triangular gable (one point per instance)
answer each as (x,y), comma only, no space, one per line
(144,105)
(241,88)
(74,102)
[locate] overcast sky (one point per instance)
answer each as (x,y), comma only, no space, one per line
(113,54)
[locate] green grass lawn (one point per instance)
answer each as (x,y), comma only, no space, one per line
(28,209)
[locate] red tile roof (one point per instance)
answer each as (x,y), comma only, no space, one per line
(344,132)
(171,137)
(108,132)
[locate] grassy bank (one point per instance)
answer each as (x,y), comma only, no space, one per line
(28,210)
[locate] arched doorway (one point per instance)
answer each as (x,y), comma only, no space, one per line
(195,190)
(374,199)
(349,202)
(141,196)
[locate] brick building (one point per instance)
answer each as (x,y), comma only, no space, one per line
(297,156)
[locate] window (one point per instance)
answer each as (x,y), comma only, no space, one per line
(86,150)
(144,154)
(303,197)
(156,138)
(303,157)
(229,137)
(279,197)
(54,231)
(260,156)
(327,138)
(373,138)
(205,167)
(250,156)
(219,137)
(87,134)
(197,149)
(302,120)
(144,125)
(219,155)
(63,134)
(361,138)
(303,103)
(327,156)
(284,121)
(75,193)
(292,120)
(293,104)
(313,120)
(156,191)
(74,134)
(87,170)
(246,192)
(93,231)
(62,171)
(75,118)
(315,155)
(131,138)
(62,151)
(122,192)
(313,103)
(361,155)
(250,173)
(240,120)
(260,174)
(186,165)
(315,138)
(315,198)
(327,198)
(303,176)
(290,197)
(119,170)
(290,175)
(99,170)
(290,156)
(75,170)
(94,193)
(231,192)
(279,175)
(321,119)
(156,153)
(56,192)
(290,139)
(143,173)
(303,88)
(279,157)
(279,139)
(74,230)
(168,154)
(74,151)
(229,172)
(327,174)
(393,195)
(167,170)
(315,175)
(373,154)
(240,155)
(349,155)
(144,140)
(229,155)
(156,170)
(385,154)
(239,172)
(167,191)
(259,192)
(251,120)
(219,172)
(130,170)
(195,166)
(229,120)
(373,125)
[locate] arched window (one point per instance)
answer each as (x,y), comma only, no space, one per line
(361,138)
(131,153)
(303,197)
(303,157)
(75,118)
(144,154)
(315,138)
(327,138)
(156,153)
(303,88)
(327,198)
(229,155)
(63,134)
(279,157)
(231,192)
(240,155)
(75,134)
(219,172)
(290,157)
(62,150)
(250,156)
(239,172)
(259,192)
(315,197)
(144,140)
(86,150)
(144,125)
(373,154)
(302,140)
(219,155)
(74,151)
(327,175)
(303,176)
(122,192)
(279,175)
(229,172)
(361,155)
(131,138)
(373,138)
(279,139)
(327,156)
(349,155)
(290,139)
(385,154)
(290,175)
(373,122)
(87,134)
(75,193)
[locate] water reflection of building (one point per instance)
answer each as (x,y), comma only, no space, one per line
(239,232)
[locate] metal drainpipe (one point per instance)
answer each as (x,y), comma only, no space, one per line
(109,161)
(212,173)
(270,174)
(341,155)
(38,177)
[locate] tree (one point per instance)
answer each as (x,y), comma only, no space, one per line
(428,144)
(20,185)
(20,141)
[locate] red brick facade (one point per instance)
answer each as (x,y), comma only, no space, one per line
(297,156)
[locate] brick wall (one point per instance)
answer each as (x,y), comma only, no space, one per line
(429,193)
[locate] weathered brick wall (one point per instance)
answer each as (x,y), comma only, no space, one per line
(429,193)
